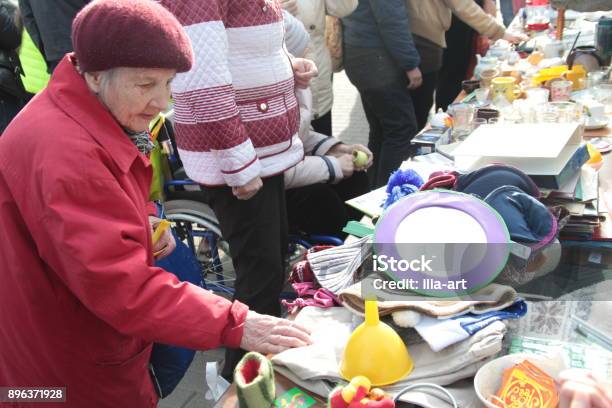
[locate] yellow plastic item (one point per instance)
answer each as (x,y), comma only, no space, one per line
(161,227)
(375,351)
(535,58)
(596,159)
(577,75)
(547,74)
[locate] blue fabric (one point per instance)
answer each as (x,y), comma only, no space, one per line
(473,323)
(382,24)
(527,219)
(483,181)
(402,183)
(170,363)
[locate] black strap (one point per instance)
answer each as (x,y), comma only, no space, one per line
(330,168)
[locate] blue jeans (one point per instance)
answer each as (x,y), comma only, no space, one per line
(388,108)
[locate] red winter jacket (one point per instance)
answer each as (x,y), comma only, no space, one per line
(80,303)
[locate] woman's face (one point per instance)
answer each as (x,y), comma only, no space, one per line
(134,96)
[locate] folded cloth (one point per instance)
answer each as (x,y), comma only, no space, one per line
(491,297)
(331,329)
(440,179)
(483,181)
(441,333)
(527,219)
(335,268)
(309,296)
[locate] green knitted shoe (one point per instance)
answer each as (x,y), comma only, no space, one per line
(254,378)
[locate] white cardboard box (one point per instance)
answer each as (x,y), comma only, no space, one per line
(538,149)
(540,143)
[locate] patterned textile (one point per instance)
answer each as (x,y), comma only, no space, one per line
(552,319)
(141,140)
(236,115)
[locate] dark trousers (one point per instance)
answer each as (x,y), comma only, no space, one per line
(256,231)
(422,98)
(455,63)
(507,11)
(388,108)
(323,124)
(321,209)
(9,108)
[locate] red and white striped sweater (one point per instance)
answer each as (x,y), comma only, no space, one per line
(236,114)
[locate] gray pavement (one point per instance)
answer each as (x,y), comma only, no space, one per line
(350,125)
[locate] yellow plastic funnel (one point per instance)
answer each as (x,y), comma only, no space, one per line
(375,351)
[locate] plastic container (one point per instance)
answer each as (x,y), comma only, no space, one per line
(604,39)
(537,15)
(375,351)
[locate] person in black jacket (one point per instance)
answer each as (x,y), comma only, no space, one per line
(48,23)
(457,57)
(12,94)
(381,61)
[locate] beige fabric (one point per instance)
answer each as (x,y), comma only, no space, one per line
(491,297)
(320,361)
(312,13)
(432,18)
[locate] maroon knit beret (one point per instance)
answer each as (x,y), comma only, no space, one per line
(129,33)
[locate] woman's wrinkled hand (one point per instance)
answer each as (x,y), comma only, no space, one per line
(248,190)
(268,334)
(165,244)
(515,38)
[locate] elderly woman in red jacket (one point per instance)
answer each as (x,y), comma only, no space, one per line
(80,302)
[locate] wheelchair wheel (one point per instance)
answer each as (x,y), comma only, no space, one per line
(196,225)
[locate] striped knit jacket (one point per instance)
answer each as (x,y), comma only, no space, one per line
(236,113)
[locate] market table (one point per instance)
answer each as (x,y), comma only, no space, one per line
(229,398)
(605,173)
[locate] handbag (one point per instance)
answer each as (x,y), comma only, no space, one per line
(333,40)
(10,79)
(168,363)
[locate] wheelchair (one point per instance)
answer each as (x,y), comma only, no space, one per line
(195,224)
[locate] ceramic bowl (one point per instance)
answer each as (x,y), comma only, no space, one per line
(488,379)
(470,85)
(487,113)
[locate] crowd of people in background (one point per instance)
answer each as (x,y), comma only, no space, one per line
(252,97)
